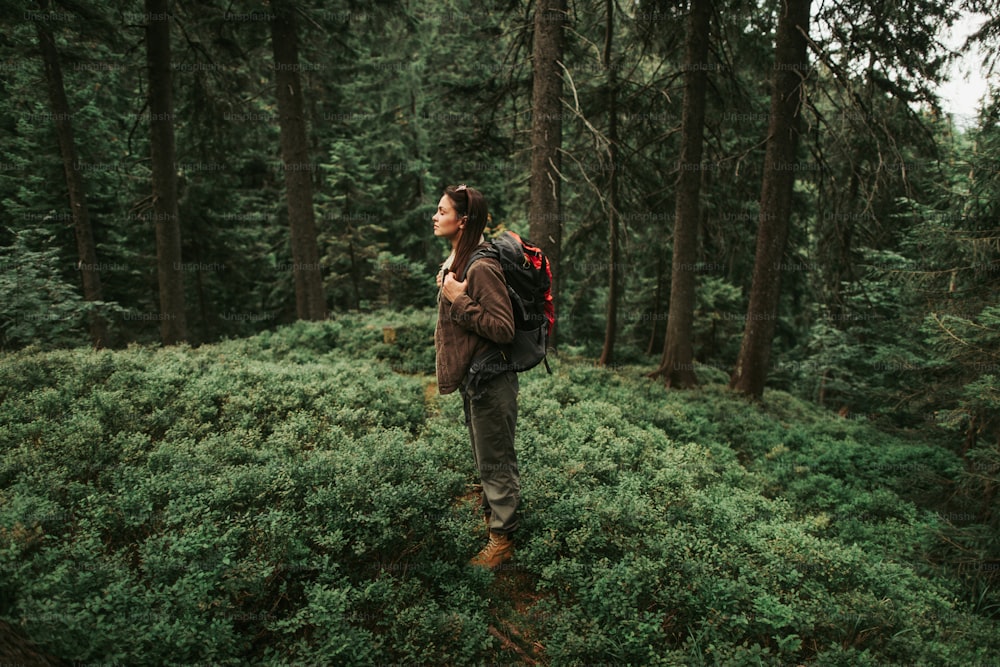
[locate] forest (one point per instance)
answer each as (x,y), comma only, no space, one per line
(776,262)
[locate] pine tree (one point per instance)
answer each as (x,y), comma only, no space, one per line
(612,199)
(310,299)
(62,115)
(170,270)
(677,363)
(791,68)
(545,211)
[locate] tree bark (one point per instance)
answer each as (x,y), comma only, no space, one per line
(677,362)
(655,329)
(790,69)
(310,298)
(544,211)
(86,249)
(614,278)
(169,268)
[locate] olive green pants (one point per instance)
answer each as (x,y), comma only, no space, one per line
(492,417)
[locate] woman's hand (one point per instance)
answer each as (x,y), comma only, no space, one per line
(451,288)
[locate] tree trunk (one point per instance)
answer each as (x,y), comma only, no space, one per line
(790,69)
(677,363)
(654,330)
(86,250)
(349,235)
(310,299)
(169,269)
(544,212)
(614,279)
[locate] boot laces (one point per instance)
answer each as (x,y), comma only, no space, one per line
(496,542)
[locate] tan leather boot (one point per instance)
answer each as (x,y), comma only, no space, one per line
(497,551)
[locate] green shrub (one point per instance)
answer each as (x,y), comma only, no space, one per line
(302,496)
(38,307)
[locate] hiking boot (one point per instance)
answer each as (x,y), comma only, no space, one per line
(497,551)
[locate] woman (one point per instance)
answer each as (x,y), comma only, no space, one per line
(474,316)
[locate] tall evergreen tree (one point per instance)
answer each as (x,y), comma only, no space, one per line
(791,67)
(614,232)
(677,363)
(62,115)
(170,269)
(545,210)
(310,299)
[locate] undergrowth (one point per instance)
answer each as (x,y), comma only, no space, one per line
(298,498)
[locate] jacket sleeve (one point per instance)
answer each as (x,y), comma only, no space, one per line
(485,308)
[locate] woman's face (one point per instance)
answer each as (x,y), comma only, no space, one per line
(447,224)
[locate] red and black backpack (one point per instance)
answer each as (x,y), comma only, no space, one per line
(529,283)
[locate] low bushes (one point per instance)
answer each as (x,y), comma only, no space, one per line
(299,497)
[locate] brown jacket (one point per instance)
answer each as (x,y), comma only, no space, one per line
(466,327)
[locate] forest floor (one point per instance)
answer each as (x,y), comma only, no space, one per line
(305,496)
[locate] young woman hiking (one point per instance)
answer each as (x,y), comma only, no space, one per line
(474,315)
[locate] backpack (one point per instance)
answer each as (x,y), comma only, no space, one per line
(529,283)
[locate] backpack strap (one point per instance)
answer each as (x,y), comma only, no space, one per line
(490,250)
(484,250)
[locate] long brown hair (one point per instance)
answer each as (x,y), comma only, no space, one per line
(469,203)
